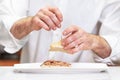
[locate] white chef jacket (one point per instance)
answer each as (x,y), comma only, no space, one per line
(99,17)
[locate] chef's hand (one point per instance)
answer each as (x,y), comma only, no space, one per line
(77,39)
(48,18)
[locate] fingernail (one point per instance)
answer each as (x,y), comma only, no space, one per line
(54,28)
(64,33)
(48,29)
(59,25)
(61,19)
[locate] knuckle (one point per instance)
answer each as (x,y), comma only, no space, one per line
(73,44)
(69,40)
(46,18)
(52,15)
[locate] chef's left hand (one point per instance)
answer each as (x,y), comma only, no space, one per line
(76,39)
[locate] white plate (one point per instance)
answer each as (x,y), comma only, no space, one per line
(75,68)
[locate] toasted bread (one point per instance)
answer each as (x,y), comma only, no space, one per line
(56,46)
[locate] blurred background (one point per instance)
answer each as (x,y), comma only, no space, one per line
(7,59)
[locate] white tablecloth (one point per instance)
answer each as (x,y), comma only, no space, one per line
(6,73)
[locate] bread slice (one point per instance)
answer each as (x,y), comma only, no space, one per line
(55,64)
(56,46)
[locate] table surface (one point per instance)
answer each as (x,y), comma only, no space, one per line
(7,73)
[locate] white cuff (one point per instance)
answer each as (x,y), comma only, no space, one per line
(10,43)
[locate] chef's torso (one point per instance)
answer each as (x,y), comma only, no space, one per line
(83,13)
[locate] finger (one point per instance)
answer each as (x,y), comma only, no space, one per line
(57,12)
(47,20)
(73,44)
(70,30)
(78,48)
(83,47)
(40,23)
(71,38)
(52,17)
(74,50)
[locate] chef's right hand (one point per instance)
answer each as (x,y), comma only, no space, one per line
(48,18)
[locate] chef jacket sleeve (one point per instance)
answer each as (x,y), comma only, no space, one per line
(110,31)
(7,19)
